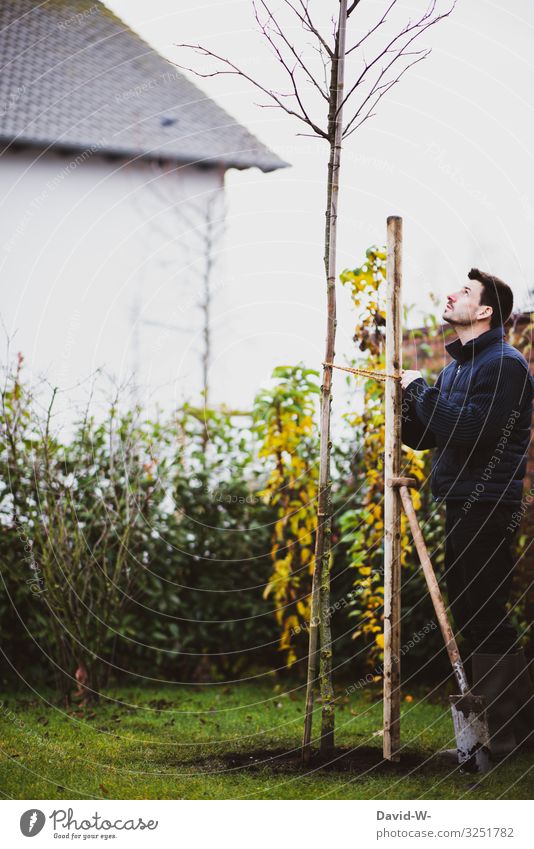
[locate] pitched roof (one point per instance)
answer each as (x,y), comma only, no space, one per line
(74,76)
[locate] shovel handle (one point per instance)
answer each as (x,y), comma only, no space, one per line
(434,590)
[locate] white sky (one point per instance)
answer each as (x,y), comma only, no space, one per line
(449,150)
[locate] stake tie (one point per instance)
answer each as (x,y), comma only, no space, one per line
(366,372)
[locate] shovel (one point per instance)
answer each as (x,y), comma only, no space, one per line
(468,711)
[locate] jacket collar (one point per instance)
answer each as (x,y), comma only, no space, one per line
(461,353)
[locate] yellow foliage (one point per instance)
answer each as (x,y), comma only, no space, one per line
(366,284)
(292,487)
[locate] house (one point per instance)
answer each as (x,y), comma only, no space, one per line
(112,172)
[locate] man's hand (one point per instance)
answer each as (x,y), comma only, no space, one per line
(409,375)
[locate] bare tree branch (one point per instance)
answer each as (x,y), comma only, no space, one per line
(382,90)
(276,96)
(310,26)
(351,8)
(323,61)
(419,26)
(298,56)
(266,30)
(373,29)
(414,30)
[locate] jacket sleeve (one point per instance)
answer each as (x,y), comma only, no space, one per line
(500,388)
(415,434)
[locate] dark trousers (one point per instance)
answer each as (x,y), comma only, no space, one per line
(478,571)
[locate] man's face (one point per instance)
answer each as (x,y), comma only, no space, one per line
(464,307)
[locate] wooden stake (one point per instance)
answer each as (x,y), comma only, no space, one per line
(433,586)
(392,506)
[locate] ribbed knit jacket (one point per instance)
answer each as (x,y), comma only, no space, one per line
(478,417)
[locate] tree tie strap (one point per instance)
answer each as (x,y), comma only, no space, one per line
(365,372)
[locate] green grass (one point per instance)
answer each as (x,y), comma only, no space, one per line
(207,742)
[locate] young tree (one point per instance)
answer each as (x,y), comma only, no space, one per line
(338,79)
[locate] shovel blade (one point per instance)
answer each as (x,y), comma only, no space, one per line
(471,732)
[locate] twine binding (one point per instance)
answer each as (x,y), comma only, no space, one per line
(365,372)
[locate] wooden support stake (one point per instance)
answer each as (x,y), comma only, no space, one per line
(433,587)
(392,506)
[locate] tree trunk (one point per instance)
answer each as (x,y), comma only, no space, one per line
(320,606)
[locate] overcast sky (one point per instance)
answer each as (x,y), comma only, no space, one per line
(449,150)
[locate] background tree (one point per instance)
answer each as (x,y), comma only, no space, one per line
(197,231)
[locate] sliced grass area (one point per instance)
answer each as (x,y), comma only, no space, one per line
(229,742)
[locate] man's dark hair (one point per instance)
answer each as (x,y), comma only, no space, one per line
(496,294)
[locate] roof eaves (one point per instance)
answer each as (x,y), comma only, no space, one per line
(241,163)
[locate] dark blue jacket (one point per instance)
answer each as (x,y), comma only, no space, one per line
(478,417)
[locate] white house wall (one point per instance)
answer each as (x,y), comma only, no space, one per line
(93,252)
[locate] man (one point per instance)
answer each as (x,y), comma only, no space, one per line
(478,418)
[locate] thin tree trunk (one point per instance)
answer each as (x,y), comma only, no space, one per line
(320,606)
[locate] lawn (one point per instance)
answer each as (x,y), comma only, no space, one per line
(229,742)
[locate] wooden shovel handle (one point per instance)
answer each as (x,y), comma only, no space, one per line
(434,590)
